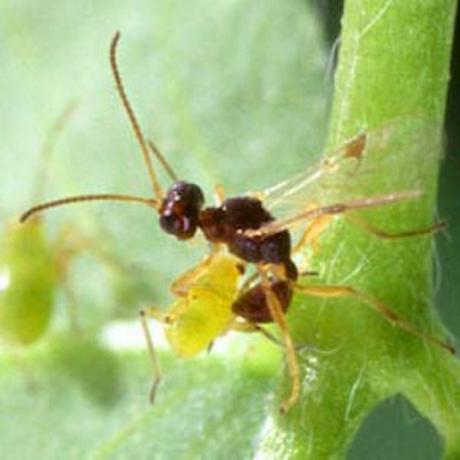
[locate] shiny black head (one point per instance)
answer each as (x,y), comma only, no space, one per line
(180,210)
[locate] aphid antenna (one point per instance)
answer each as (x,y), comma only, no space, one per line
(157,189)
(48,147)
(152,203)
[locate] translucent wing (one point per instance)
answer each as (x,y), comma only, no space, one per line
(395,157)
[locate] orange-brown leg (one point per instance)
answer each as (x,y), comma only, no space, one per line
(219,194)
(144,314)
(312,232)
(291,355)
(181,285)
(383,234)
(248,327)
(72,242)
(314,229)
(379,307)
(333,209)
(71,306)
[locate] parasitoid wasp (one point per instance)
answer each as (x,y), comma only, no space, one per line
(241,230)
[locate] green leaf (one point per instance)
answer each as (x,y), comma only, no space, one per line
(393,73)
(227,90)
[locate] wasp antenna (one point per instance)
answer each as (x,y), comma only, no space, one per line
(158,191)
(161,158)
(79,198)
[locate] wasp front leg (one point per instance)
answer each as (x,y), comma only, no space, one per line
(181,286)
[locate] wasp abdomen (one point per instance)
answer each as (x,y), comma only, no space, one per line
(253,305)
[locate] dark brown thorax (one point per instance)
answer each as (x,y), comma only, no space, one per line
(181,214)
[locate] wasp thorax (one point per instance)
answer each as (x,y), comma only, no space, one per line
(180,210)
(214,225)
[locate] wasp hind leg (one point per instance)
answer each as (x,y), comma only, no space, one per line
(378,306)
(386,235)
(278,317)
(314,230)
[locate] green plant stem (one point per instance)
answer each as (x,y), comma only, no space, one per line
(391,81)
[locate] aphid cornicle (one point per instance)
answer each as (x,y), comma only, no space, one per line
(242,231)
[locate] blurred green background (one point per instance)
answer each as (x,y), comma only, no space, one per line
(235,92)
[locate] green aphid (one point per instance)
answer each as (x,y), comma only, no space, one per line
(28,278)
(31,267)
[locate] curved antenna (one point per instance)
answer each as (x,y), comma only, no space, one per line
(48,147)
(161,158)
(79,198)
(158,191)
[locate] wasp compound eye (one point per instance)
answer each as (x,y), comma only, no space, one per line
(178,225)
(171,223)
(180,210)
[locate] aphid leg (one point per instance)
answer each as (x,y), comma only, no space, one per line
(312,232)
(210,346)
(71,306)
(379,307)
(181,285)
(291,356)
(267,334)
(144,314)
(48,148)
(71,241)
(383,234)
(249,327)
(219,194)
